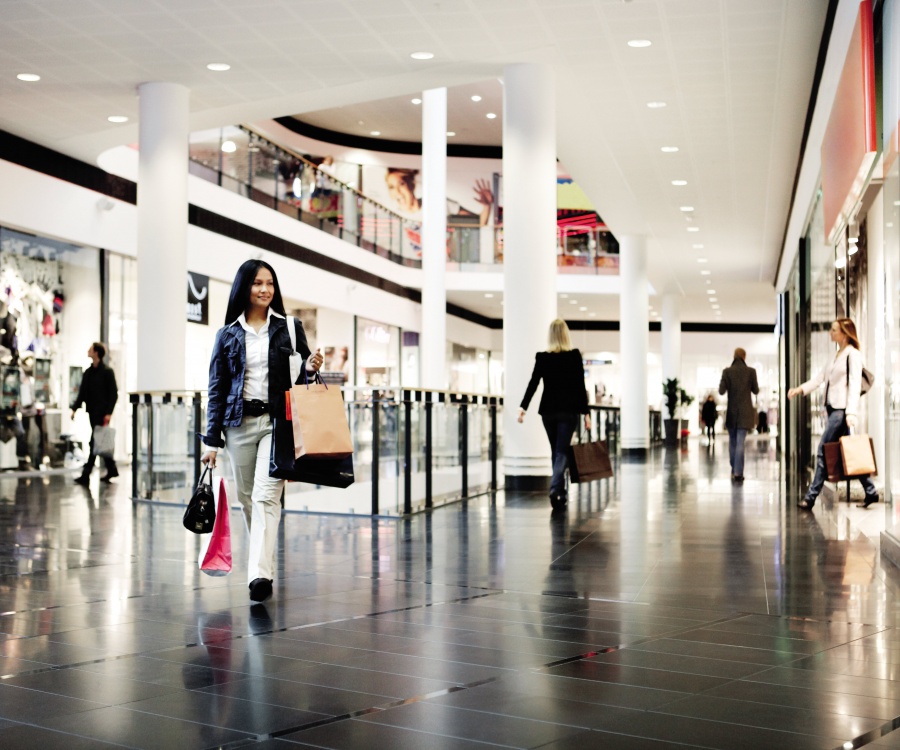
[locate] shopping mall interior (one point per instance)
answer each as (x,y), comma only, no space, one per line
(434,184)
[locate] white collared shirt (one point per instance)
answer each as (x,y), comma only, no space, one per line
(256,344)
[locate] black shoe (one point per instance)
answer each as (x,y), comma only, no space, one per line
(558,501)
(109,477)
(870,500)
(806,504)
(84,480)
(738,479)
(260,589)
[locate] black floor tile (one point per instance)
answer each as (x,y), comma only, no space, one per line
(351,735)
(26,737)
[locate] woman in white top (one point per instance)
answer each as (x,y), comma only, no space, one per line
(843,379)
(249,372)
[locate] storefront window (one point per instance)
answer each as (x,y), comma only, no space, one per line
(377,354)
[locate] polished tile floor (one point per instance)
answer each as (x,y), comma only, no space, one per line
(665,608)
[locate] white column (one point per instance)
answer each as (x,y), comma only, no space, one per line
(529,260)
(634,341)
(876,331)
(162,236)
(671,337)
(434,239)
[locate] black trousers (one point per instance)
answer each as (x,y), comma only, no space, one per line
(560,428)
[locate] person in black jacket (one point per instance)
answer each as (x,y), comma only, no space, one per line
(99,393)
(710,414)
(249,372)
(562,370)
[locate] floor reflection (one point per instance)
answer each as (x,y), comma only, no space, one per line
(684,607)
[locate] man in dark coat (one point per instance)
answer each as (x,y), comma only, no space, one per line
(98,393)
(739,382)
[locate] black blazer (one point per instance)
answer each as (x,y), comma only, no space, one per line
(563,376)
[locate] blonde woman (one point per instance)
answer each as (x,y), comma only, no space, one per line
(843,380)
(562,370)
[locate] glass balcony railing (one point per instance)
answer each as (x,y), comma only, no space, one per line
(414,449)
(244,162)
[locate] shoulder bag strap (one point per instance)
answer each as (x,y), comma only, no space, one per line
(292,332)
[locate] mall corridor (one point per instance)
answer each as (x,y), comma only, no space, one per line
(666,608)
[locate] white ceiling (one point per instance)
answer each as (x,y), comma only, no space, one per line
(735,74)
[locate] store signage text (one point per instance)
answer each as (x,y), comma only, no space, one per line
(197,298)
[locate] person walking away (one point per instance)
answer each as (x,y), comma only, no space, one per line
(709,414)
(249,372)
(739,382)
(98,393)
(842,378)
(564,398)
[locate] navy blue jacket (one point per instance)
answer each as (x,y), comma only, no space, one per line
(226,375)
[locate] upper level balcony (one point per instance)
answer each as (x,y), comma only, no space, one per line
(240,160)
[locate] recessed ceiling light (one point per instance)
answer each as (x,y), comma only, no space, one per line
(491,116)
(416,100)
(117,118)
(593,315)
(563,296)
(686,208)
(638,43)
(229,147)
(218,67)
(716,307)
(29,77)
(422,55)
(679,183)
(656,105)
(451,133)
(488,295)
(669,149)
(699,247)
(374,132)
(583,309)
(573,301)
(693,229)
(713,299)
(710,291)
(476,98)
(705,273)
(708,281)
(896,203)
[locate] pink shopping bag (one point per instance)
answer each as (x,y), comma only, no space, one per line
(215,555)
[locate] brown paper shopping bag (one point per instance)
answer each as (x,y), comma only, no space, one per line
(858,454)
(319,422)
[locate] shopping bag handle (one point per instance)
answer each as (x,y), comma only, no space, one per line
(207,470)
(316,378)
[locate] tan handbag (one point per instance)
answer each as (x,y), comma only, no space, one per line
(858,455)
(319,422)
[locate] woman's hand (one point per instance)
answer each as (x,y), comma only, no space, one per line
(587,422)
(209,458)
(795,392)
(315,361)
(521,417)
(850,419)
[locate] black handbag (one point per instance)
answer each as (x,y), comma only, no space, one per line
(327,472)
(200,514)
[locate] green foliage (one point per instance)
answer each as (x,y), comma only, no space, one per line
(686,398)
(670,391)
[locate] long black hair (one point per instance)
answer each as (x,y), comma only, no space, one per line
(239,300)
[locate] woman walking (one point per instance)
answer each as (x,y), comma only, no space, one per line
(249,373)
(562,370)
(843,379)
(709,414)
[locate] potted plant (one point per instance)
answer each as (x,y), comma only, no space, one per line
(671,425)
